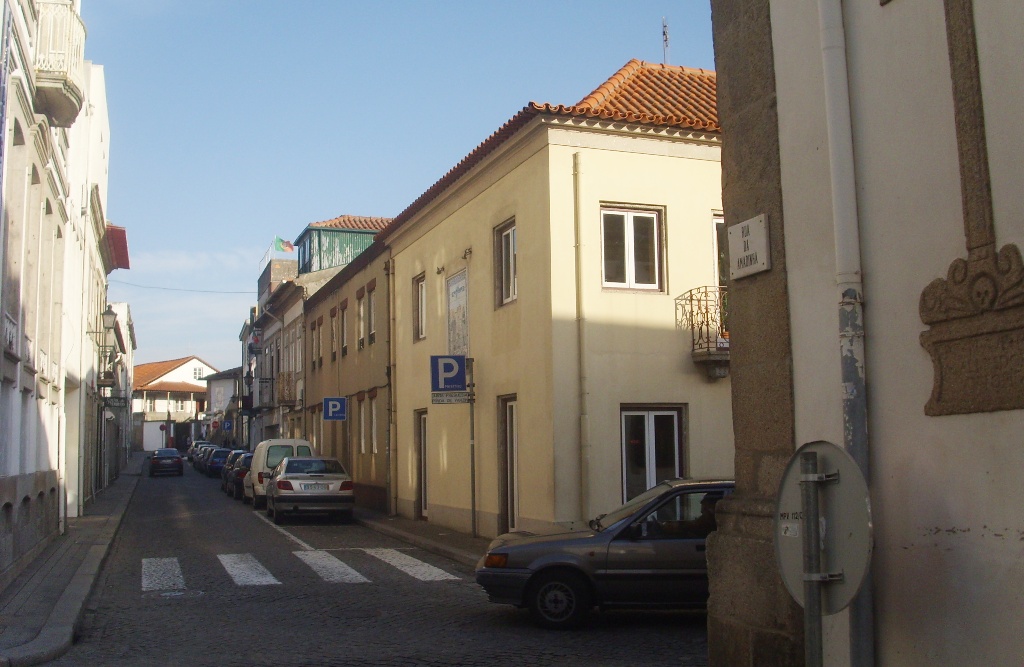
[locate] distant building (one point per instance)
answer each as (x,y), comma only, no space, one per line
(168,402)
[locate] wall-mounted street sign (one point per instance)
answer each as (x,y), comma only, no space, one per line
(449,397)
(748,247)
(116,401)
(228,424)
(336,409)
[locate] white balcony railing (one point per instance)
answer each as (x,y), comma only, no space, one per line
(60,62)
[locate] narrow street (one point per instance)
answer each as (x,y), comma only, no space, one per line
(194,577)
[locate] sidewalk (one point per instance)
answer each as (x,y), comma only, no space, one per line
(40,610)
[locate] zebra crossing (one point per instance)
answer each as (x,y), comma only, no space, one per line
(165,574)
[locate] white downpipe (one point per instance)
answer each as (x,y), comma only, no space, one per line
(850,288)
(581,346)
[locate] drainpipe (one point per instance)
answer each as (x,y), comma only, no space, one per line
(391,489)
(850,288)
(581,340)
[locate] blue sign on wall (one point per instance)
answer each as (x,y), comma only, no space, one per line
(448,373)
(226,425)
(336,409)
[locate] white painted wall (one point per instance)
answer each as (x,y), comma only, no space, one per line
(946,491)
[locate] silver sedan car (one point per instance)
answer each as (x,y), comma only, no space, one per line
(309,484)
(648,553)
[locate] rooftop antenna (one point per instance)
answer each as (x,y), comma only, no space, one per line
(664,39)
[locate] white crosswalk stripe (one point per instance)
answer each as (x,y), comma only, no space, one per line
(330,568)
(409,565)
(246,570)
(162,574)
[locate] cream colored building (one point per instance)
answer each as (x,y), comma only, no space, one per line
(883,142)
(348,348)
(552,256)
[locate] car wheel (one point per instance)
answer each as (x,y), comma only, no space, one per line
(245,499)
(278,517)
(270,507)
(345,516)
(258,502)
(559,599)
(236,493)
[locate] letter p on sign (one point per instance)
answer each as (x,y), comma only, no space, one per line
(448,373)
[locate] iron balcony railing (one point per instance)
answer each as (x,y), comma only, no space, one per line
(705,312)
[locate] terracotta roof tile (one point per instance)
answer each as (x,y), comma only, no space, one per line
(356,222)
(659,94)
(640,92)
(147,373)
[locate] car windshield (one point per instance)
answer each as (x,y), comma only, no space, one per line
(631,506)
(315,467)
(219,454)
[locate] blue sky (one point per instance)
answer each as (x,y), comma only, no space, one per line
(235,121)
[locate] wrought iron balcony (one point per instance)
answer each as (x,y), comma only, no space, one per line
(705,311)
(60,62)
(286,389)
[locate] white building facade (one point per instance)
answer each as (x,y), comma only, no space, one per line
(56,250)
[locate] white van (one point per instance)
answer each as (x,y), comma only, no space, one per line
(265,458)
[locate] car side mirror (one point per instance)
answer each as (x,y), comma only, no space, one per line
(635,531)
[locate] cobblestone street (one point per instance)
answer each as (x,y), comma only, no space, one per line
(173,592)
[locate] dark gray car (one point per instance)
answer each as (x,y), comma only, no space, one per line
(648,553)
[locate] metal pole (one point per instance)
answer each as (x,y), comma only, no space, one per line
(812,559)
(471,385)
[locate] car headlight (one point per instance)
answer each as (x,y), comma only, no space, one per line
(496,560)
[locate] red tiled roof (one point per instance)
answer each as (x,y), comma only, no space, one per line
(146,373)
(356,222)
(640,92)
(659,94)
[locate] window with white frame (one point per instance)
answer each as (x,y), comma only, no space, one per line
(631,249)
(197,373)
(371,319)
(373,423)
(362,427)
(361,321)
(334,337)
(344,330)
(653,447)
(419,296)
(505,256)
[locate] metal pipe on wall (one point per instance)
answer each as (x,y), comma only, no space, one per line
(581,341)
(849,283)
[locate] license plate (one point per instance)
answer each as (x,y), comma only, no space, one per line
(317,486)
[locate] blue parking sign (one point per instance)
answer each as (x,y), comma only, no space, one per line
(448,373)
(336,409)
(227,425)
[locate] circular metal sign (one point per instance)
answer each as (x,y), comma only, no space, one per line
(845,526)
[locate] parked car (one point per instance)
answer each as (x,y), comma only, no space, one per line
(195,448)
(200,454)
(309,484)
(265,458)
(647,553)
(229,463)
(166,461)
(214,461)
(237,477)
